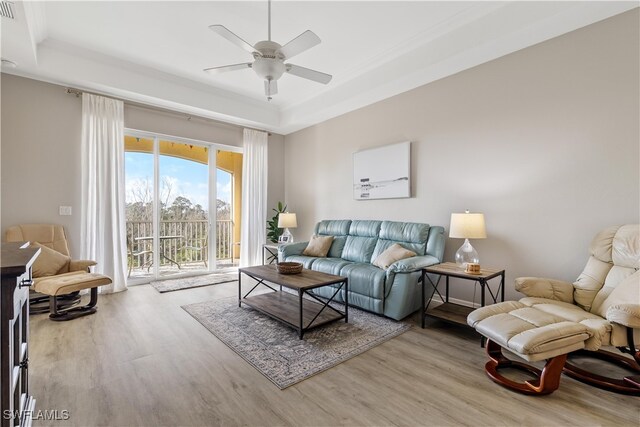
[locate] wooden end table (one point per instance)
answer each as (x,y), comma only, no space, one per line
(456,313)
(294,310)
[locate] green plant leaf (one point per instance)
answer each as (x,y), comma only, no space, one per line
(273,232)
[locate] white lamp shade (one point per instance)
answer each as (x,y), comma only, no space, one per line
(287,220)
(467,226)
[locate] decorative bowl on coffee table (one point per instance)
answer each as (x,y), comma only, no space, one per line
(289,267)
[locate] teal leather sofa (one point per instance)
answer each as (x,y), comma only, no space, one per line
(395,292)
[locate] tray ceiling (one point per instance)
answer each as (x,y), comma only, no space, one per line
(154,52)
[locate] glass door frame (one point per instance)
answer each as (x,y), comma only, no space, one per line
(212,149)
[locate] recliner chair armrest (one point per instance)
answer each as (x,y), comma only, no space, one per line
(541,287)
(289,249)
(625,314)
(81,265)
(409,265)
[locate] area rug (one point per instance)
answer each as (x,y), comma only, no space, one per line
(275,349)
(171,285)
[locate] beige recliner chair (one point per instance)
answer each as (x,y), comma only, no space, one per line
(56,277)
(558,320)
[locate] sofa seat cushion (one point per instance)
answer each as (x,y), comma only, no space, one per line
(64,284)
(531,333)
(365,279)
(329,265)
(306,261)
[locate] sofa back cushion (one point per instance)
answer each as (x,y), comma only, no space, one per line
(410,235)
(361,241)
(339,230)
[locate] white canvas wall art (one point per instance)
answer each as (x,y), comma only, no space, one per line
(383,172)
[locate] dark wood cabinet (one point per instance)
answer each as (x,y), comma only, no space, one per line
(18,405)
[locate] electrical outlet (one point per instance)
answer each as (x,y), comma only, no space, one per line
(65,210)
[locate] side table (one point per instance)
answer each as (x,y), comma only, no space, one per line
(456,313)
(272,250)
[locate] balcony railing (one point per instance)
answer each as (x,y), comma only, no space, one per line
(185,241)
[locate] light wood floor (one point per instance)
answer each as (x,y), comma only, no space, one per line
(142,360)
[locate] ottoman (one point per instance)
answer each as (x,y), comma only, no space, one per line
(533,334)
(64,284)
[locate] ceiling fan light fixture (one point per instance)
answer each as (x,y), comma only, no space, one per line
(268,68)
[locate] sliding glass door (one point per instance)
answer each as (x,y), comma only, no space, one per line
(172,188)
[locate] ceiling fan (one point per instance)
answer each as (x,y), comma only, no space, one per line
(269,56)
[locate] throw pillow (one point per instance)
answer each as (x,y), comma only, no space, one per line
(393,253)
(49,262)
(318,246)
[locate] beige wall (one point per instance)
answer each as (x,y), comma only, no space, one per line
(543,141)
(40,151)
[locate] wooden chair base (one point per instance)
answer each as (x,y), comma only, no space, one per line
(548,380)
(627,385)
(74,312)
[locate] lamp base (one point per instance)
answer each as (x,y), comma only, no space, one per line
(286,237)
(466,254)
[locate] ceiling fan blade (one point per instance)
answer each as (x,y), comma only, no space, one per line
(221,30)
(304,41)
(270,87)
(307,73)
(225,68)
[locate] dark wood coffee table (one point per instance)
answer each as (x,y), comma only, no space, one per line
(294,310)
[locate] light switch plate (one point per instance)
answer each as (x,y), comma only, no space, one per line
(65,210)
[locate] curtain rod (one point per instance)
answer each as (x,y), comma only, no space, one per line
(78,93)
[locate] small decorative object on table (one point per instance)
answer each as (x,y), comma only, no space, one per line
(473,268)
(289,267)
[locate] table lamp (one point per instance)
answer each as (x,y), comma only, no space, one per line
(287,220)
(467,226)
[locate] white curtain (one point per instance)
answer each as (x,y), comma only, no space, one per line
(103,192)
(253,230)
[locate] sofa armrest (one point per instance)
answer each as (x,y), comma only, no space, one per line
(290,249)
(416,263)
(81,265)
(625,314)
(540,287)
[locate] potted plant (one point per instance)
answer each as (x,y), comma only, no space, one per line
(273,232)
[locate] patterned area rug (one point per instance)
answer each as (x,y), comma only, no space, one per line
(275,349)
(193,282)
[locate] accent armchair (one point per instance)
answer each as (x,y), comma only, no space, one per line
(559,320)
(56,277)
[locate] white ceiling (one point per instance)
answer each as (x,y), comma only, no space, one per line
(154,51)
